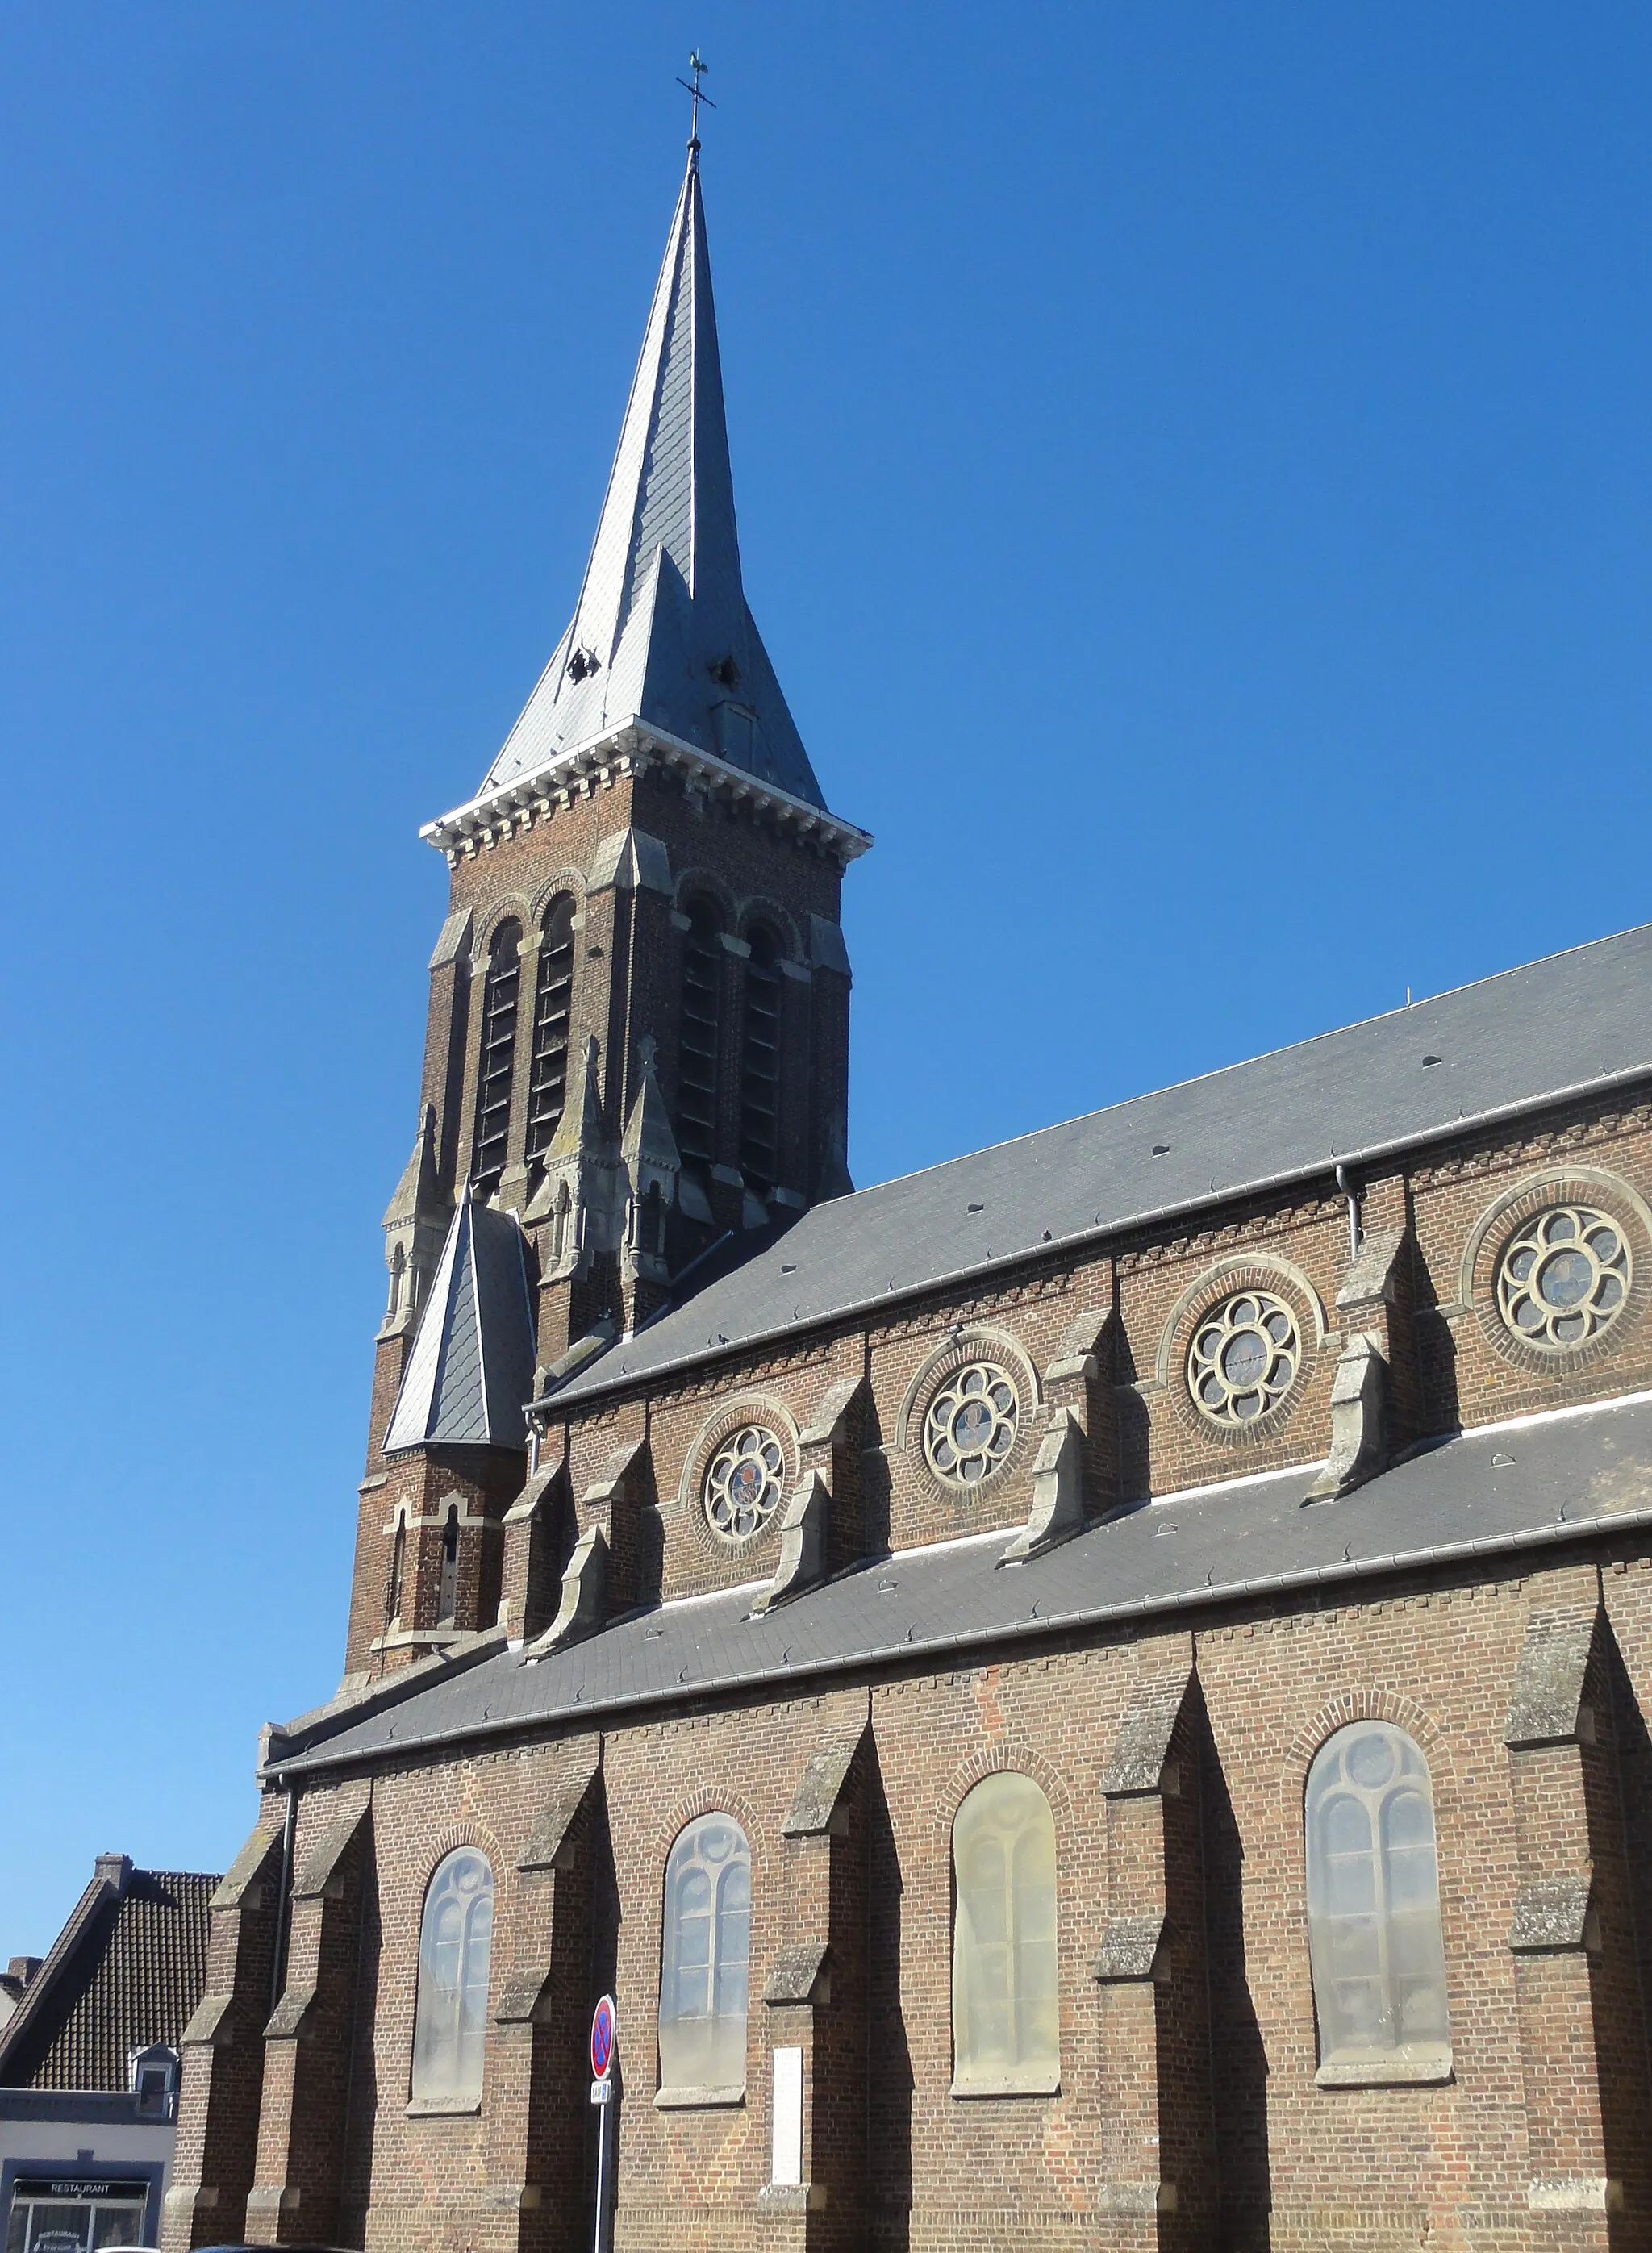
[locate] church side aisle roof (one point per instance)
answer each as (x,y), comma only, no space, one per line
(661,632)
(1560,1477)
(1575,1021)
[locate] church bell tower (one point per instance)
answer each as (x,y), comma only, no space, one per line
(636,1052)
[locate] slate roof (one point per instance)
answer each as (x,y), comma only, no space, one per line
(1555,1478)
(127,1970)
(1575,1021)
(471,1366)
(663,600)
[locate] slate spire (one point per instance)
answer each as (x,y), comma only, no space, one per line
(471,1366)
(661,632)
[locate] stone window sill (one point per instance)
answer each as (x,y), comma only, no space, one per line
(1047,2083)
(690,2099)
(444,2108)
(1428,2068)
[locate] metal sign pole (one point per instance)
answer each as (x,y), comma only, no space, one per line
(604,2044)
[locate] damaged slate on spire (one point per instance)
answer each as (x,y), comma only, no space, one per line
(471,1366)
(661,633)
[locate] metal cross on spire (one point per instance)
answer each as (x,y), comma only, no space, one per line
(699,69)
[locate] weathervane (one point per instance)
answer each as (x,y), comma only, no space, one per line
(699,70)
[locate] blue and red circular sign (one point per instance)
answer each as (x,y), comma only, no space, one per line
(602,2039)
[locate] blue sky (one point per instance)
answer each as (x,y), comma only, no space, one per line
(1195,482)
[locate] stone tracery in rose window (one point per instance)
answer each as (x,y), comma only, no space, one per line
(970,1425)
(743,1482)
(1564,1277)
(1243,1357)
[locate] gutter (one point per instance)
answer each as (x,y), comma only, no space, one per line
(1339,1574)
(1335,1163)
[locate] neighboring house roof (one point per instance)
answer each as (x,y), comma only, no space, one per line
(471,1366)
(661,632)
(126,1972)
(1574,1023)
(1564,1476)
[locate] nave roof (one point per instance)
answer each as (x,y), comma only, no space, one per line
(1575,1022)
(1561,1478)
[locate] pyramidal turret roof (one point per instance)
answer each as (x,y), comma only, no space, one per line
(471,1366)
(662,633)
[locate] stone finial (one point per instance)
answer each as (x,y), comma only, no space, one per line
(1359,1395)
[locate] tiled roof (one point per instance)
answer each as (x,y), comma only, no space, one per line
(128,1971)
(662,602)
(1577,1021)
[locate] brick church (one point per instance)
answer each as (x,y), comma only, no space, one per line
(1094,1695)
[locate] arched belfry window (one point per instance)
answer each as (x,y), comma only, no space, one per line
(697,1051)
(1006,2029)
(498,1060)
(456,1946)
(1373,1904)
(704,1958)
(760,1063)
(447,1602)
(398,1570)
(552,1003)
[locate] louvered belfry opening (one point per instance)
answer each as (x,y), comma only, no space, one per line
(760,1063)
(498,1059)
(697,1065)
(553,1003)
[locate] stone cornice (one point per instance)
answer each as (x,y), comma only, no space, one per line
(632,749)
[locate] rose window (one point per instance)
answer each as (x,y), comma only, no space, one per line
(1564,1277)
(1244,1358)
(743,1483)
(971,1425)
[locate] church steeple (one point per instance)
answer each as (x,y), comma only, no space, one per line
(636,1051)
(662,632)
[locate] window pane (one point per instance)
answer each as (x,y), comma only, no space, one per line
(1373,1889)
(704,1958)
(455,1958)
(1005,2014)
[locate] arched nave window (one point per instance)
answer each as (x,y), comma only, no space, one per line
(456,1945)
(1004,2017)
(704,1958)
(1373,1903)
